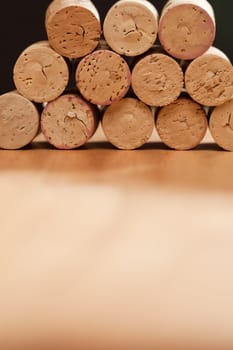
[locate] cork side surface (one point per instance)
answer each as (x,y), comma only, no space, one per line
(182,125)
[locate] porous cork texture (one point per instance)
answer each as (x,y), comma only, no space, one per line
(157,79)
(187,28)
(182,125)
(131,27)
(19,121)
(128,124)
(41,74)
(221,125)
(103,77)
(73,27)
(69,122)
(209,78)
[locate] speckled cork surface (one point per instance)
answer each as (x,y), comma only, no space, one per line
(187,28)
(131,26)
(128,124)
(69,121)
(182,125)
(209,78)
(221,125)
(41,74)
(103,77)
(73,27)
(157,79)
(19,121)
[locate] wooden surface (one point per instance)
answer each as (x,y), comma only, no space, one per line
(103,249)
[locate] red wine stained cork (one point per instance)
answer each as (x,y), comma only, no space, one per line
(69,122)
(73,27)
(103,77)
(209,78)
(182,125)
(221,125)
(19,121)
(187,28)
(131,27)
(41,74)
(128,124)
(157,79)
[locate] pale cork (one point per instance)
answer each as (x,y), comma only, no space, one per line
(221,125)
(128,124)
(73,27)
(103,77)
(187,28)
(157,79)
(69,122)
(19,121)
(209,78)
(131,27)
(182,125)
(41,74)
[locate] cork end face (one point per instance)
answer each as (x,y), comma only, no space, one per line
(157,80)
(19,121)
(68,122)
(130,28)
(40,74)
(182,125)
(73,31)
(128,124)
(186,31)
(209,80)
(103,77)
(221,126)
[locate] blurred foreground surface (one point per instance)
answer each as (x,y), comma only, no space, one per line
(107,249)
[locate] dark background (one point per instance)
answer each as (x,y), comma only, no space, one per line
(22,23)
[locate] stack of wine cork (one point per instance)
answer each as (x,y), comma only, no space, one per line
(135,72)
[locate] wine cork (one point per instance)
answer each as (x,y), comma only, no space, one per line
(19,121)
(128,124)
(182,125)
(73,27)
(157,79)
(187,28)
(41,74)
(221,125)
(69,122)
(209,78)
(103,77)
(131,27)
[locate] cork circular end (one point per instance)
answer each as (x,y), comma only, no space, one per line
(186,31)
(131,27)
(221,125)
(182,125)
(73,31)
(19,121)
(103,77)
(40,74)
(128,124)
(209,80)
(68,122)
(157,79)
